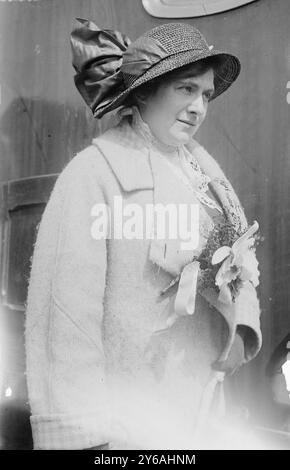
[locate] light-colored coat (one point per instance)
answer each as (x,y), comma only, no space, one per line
(99,366)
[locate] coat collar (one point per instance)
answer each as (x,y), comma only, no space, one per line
(137,167)
(130,163)
(129,158)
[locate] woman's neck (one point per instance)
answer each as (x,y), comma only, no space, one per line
(144,130)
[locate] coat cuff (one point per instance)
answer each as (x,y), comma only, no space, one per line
(68,432)
(244,311)
(248,315)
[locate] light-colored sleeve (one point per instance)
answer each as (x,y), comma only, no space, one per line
(248,315)
(245,312)
(64,347)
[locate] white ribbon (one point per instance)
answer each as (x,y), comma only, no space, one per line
(186,293)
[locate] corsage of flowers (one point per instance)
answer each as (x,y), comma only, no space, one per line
(227,261)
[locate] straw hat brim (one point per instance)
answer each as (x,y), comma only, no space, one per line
(225,74)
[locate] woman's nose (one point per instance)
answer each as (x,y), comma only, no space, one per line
(197,105)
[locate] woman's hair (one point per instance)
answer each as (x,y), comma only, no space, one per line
(143,92)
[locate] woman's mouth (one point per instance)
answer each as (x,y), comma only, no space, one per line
(189,123)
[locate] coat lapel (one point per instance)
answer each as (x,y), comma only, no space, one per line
(169,189)
(137,168)
(130,166)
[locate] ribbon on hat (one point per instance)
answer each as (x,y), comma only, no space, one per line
(97,58)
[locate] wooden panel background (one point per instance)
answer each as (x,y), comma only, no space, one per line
(44,122)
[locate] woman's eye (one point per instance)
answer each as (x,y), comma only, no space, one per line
(187,89)
(207,96)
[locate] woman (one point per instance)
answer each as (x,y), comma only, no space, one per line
(124,329)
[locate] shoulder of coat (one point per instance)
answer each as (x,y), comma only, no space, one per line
(91,157)
(88,165)
(122,137)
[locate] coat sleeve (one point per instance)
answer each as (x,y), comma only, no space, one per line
(64,347)
(248,317)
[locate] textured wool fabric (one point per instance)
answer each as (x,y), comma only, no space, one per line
(101,364)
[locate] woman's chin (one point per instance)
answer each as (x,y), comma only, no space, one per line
(182,138)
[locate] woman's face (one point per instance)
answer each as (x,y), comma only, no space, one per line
(177,109)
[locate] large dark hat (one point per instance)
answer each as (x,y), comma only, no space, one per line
(109,66)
